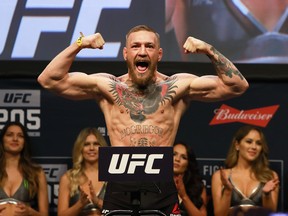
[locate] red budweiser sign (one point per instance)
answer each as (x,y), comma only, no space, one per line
(259,117)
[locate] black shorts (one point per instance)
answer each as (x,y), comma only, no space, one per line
(139,196)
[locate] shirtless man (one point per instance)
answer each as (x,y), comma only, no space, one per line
(143,107)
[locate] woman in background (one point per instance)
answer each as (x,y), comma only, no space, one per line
(247,181)
(80,191)
(191,190)
(23,182)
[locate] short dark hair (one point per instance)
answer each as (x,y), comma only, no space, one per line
(143,28)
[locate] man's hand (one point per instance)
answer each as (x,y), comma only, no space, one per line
(94,41)
(194,45)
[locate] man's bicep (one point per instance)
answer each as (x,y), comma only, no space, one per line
(75,85)
(205,88)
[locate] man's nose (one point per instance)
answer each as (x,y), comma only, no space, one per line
(142,50)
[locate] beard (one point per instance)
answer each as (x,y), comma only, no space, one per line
(141,80)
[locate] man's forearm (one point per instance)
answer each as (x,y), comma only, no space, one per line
(227,71)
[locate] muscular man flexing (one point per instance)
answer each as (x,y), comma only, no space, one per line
(143,107)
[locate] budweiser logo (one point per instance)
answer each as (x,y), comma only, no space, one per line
(258,117)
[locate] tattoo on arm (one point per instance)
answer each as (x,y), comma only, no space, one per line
(225,65)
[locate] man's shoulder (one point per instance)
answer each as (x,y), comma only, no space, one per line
(183,75)
(161,76)
(122,78)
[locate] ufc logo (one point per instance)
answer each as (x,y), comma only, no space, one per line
(135,163)
(53,172)
(19,98)
(33,24)
(129,163)
(14,98)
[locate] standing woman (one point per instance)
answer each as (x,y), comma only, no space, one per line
(23,182)
(191,190)
(80,191)
(247,182)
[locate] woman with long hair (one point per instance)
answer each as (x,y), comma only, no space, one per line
(23,183)
(80,191)
(247,181)
(191,190)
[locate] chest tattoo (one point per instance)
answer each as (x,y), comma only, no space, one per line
(142,142)
(142,102)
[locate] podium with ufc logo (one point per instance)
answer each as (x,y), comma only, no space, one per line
(135,164)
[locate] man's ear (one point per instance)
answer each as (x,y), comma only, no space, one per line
(125,53)
(160,54)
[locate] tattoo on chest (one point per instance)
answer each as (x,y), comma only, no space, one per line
(143,130)
(142,102)
(142,142)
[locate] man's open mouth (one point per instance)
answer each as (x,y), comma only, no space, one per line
(142,66)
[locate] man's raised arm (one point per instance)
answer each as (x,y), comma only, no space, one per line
(228,83)
(55,76)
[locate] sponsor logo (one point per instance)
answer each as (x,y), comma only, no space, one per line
(53,172)
(21,105)
(19,98)
(135,163)
(259,117)
(176,210)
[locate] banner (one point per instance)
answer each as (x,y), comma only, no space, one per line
(40,29)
